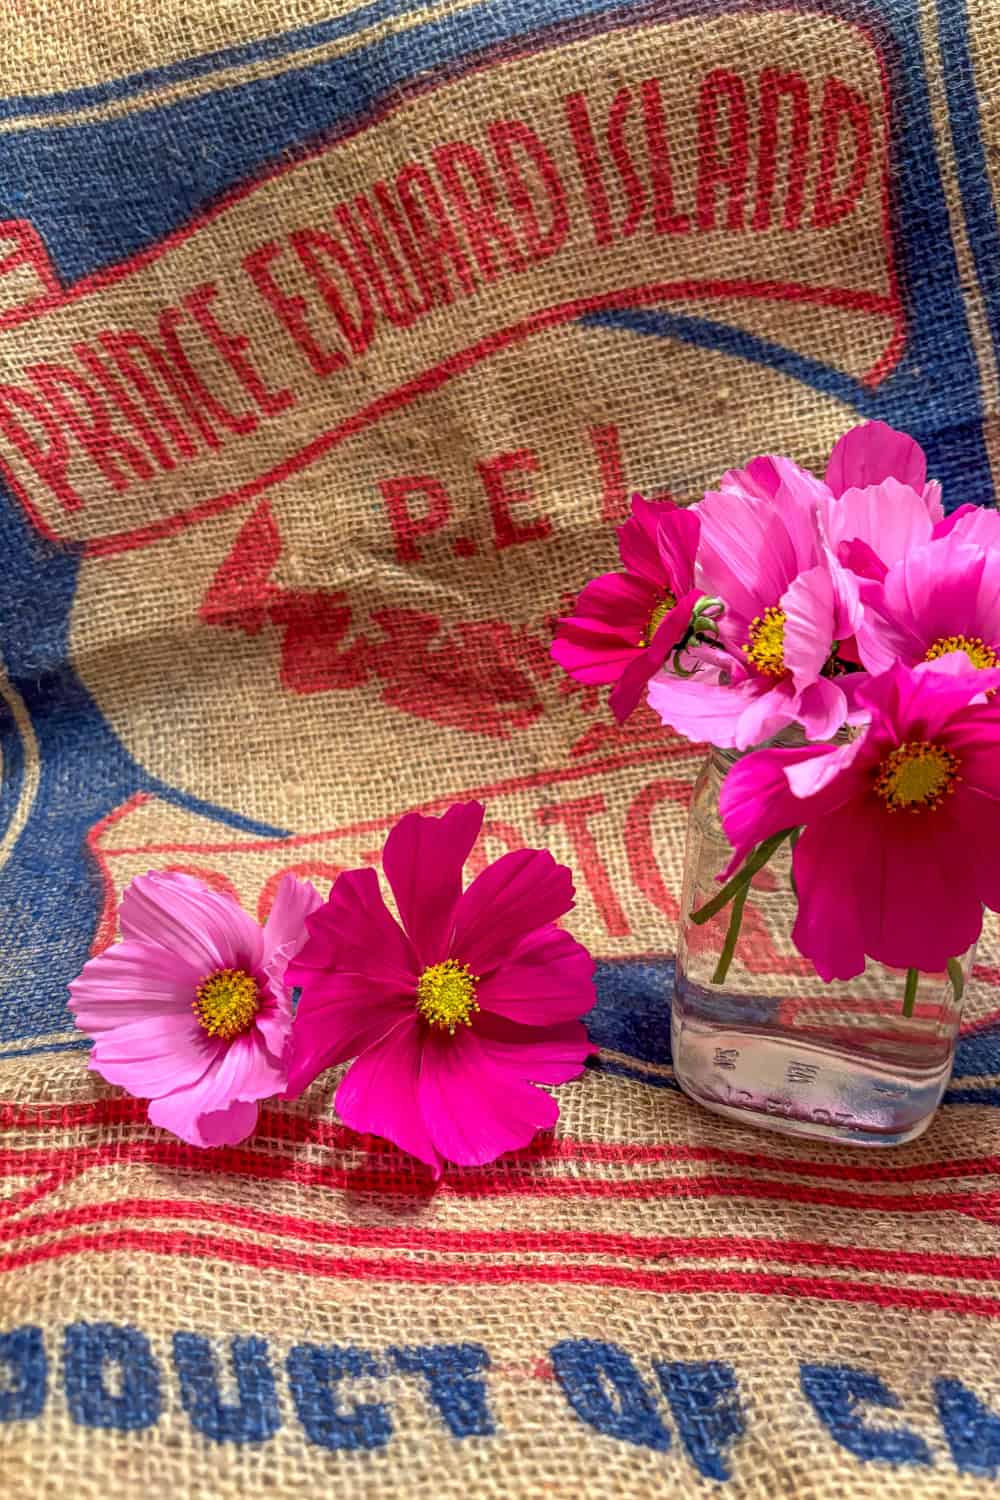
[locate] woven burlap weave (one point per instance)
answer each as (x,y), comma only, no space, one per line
(333,339)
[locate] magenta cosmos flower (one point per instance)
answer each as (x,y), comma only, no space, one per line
(626,624)
(453,1015)
(939,598)
(897,856)
(190,1010)
(788,607)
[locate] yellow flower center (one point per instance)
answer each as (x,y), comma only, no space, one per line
(766,647)
(974,646)
(227,1002)
(666,604)
(446,995)
(916,776)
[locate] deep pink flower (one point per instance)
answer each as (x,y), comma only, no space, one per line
(625,625)
(453,1015)
(900,827)
(788,605)
(190,1009)
(943,596)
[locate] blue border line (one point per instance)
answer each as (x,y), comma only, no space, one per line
(970,156)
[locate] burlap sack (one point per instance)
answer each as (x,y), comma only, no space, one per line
(333,339)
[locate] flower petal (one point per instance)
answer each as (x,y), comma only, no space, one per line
(701,707)
(379,1094)
(617,600)
(638,545)
(758,800)
(549,977)
(354,931)
(891,518)
(539,1054)
(677,540)
(474,1101)
(285,930)
(133,981)
(976,525)
(517,894)
(340,1016)
(156,1055)
(626,695)
(591,657)
(872,452)
(226,1127)
(423,860)
(207,927)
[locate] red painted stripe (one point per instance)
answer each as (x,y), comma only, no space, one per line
(749,1283)
(516,1241)
(69,1163)
(279,1127)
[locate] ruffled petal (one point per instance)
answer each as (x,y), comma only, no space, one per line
(474,1103)
(285,929)
(354,931)
(338,1017)
(766,714)
(549,977)
(517,894)
(379,1094)
(423,861)
(976,525)
(871,453)
(822,709)
(225,1127)
(207,927)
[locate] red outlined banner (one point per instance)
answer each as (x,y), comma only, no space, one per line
(687,162)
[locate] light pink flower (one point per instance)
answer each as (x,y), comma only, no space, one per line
(900,828)
(942,597)
(190,1009)
(453,1015)
(788,605)
(625,625)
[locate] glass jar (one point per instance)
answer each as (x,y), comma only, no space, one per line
(771,1044)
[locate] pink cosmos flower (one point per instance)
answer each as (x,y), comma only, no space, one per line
(626,624)
(898,851)
(788,606)
(942,597)
(880,503)
(453,1015)
(190,1009)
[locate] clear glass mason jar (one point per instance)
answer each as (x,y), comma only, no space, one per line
(772,1045)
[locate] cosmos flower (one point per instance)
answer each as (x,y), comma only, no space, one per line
(897,856)
(625,625)
(190,1009)
(453,1012)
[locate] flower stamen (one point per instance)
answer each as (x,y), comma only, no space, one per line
(975,648)
(227,1002)
(916,777)
(446,995)
(766,647)
(656,615)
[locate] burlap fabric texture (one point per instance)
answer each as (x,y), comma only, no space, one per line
(333,339)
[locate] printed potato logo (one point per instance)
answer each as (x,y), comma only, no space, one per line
(363,426)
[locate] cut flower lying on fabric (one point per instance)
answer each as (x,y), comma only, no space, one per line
(452,1013)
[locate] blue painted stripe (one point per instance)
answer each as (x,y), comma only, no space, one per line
(970,154)
(82,1046)
(639,1075)
(202,66)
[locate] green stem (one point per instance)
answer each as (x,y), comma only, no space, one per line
(910,992)
(793,839)
(754,862)
(732,934)
(957,979)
